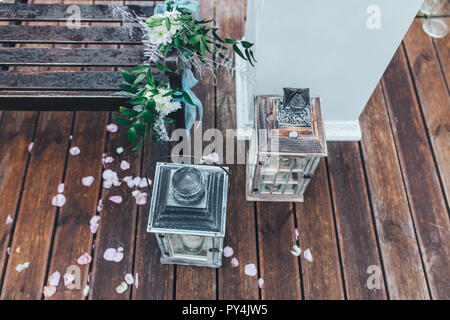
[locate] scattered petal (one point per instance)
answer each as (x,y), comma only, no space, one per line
(112,127)
(74,151)
(61,188)
(112,254)
(308,256)
(129,279)
(30,147)
(107,184)
(296,234)
(109,174)
(49,291)
(68,279)
(121,288)
(53,280)
(100,205)
(109,160)
(145,182)
(213,157)
(84,259)
(9,220)
(296,250)
(235,262)
(8,250)
(93,224)
(136,280)
(87,181)
(120,249)
(115,199)
(135,193)
(250,269)
(86,290)
(23,266)
(59,200)
(141,198)
(124,165)
(228,252)
(137,181)
(119,150)
(260,282)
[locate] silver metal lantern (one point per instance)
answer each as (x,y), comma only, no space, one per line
(188,212)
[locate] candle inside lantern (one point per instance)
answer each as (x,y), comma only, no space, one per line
(191,243)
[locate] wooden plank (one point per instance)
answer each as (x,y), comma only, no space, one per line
(356,232)
(423,188)
(70,57)
(405,276)
(16,133)
(322,277)
(433,96)
(278,267)
(59,12)
(89,135)
(118,225)
(443,50)
(62,34)
(36,215)
(194,282)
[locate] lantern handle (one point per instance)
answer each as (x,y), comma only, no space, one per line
(192,157)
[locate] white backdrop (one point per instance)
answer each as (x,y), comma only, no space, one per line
(339,49)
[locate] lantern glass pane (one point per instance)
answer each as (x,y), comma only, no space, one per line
(189,245)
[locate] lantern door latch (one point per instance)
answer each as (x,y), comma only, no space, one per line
(214,250)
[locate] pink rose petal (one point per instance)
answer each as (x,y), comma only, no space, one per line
(53,280)
(109,160)
(86,290)
(61,188)
(296,251)
(23,266)
(129,279)
(74,151)
(112,127)
(59,200)
(144,183)
(228,252)
(49,291)
(87,181)
(30,147)
(296,234)
(213,157)
(93,224)
(8,250)
(119,150)
(136,280)
(9,220)
(308,256)
(121,288)
(235,262)
(250,269)
(84,259)
(114,255)
(100,205)
(68,279)
(124,165)
(141,198)
(260,282)
(115,199)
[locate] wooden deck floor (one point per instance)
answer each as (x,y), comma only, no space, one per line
(378,207)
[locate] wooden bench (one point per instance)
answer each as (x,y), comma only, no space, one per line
(86,89)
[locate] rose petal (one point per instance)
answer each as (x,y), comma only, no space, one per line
(144,182)
(49,291)
(84,259)
(107,184)
(86,290)
(129,279)
(68,279)
(135,193)
(296,234)
(59,200)
(296,250)
(260,282)
(30,147)
(23,266)
(93,224)
(9,220)
(250,269)
(228,252)
(124,165)
(136,280)
(112,127)
(213,157)
(108,174)
(116,182)
(137,181)
(109,160)
(308,256)
(53,280)
(235,262)
(87,181)
(100,205)
(74,151)
(141,198)
(115,199)
(61,188)
(8,250)
(112,254)
(119,150)
(121,288)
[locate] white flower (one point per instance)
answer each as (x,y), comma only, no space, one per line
(165,105)
(124,165)
(160,34)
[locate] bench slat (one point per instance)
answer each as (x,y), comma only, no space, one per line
(70,57)
(58,12)
(61,34)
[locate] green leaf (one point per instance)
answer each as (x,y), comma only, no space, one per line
(217,37)
(139,78)
(230,41)
(162,67)
(187,97)
(246,44)
(151,104)
(132,135)
(195,39)
(168,25)
(122,121)
(128,112)
(130,78)
(147,116)
(127,87)
(247,54)
(168,120)
(150,79)
(137,101)
(238,51)
(202,48)
(139,145)
(140,69)
(139,126)
(176,41)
